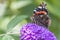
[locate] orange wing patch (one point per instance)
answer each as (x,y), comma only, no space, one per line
(41,12)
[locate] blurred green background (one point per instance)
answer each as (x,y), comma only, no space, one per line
(15,13)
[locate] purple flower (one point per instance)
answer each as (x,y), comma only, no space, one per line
(32,31)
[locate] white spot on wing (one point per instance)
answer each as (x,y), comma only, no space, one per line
(34,10)
(40,7)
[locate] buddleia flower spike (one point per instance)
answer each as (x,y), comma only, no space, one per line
(32,31)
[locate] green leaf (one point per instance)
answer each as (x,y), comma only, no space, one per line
(17,5)
(54,10)
(0,38)
(16,37)
(7,37)
(15,21)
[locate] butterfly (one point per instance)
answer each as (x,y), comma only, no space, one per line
(41,16)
